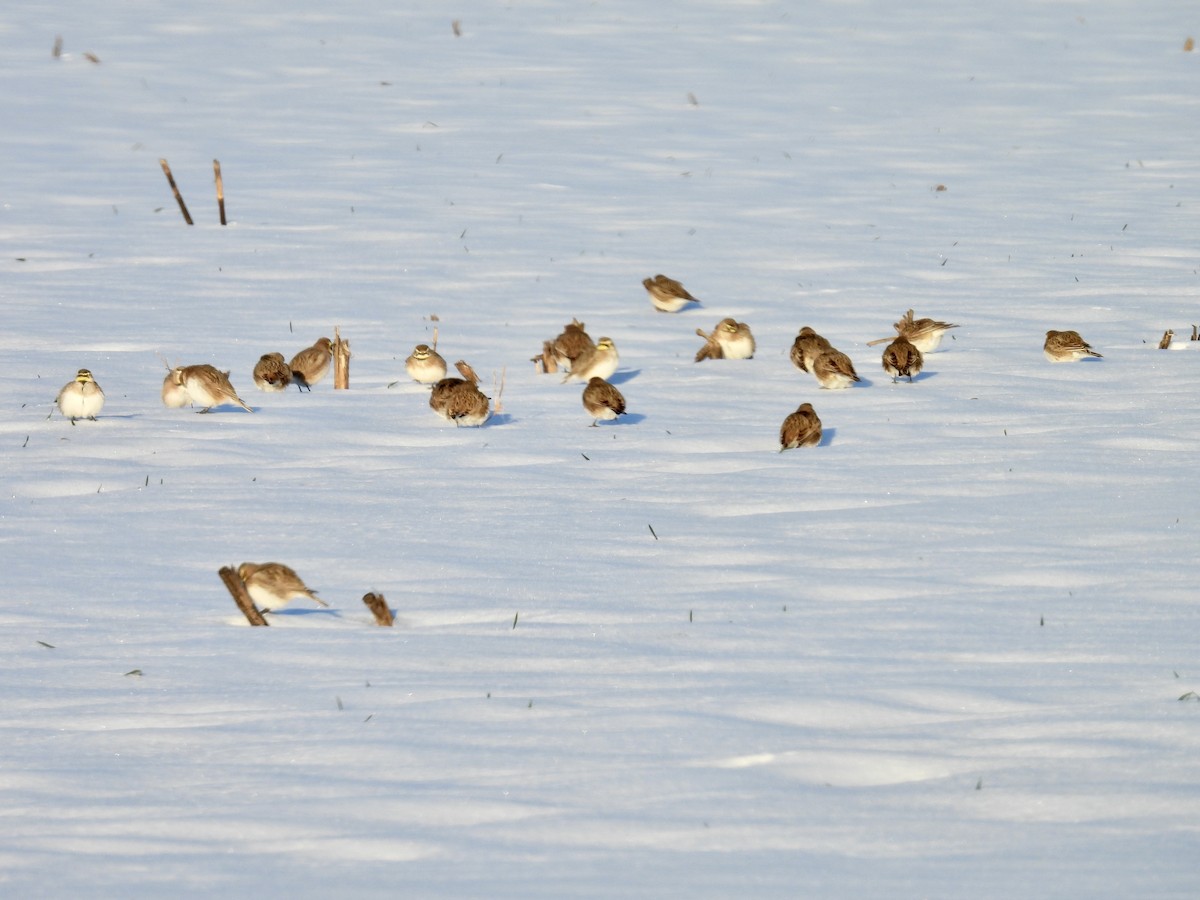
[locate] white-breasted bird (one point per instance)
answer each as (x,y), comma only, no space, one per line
(311,364)
(425,365)
(80,398)
(1067,346)
(667,294)
(204,386)
(602,401)
(273,585)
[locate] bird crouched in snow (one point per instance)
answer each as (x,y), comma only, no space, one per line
(1067,346)
(667,294)
(80,398)
(924,334)
(807,346)
(600,361)
(902,359)
(203,385)
(801,429)
(425,365)
(459,400)
(730,340)
(273,585)
(602,401)
(271,373)
(311,364)
(834,370)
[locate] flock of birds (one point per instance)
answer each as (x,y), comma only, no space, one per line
(458,399)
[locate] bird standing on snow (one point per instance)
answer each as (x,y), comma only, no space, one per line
(600,361)
(459,400)
(602,401)
(834,370)
(801,429)
(80,398)
(1067,346)
(924,334)
(312,363)
(902,359)
(425,365)
(273,585)
(271,373)
(203,385)
(667,294)
(731,340)
(807,346)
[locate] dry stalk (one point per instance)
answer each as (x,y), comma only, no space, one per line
(341,361)
(379,609)
(220,189)
(1165,343)
(175,190)
(237,589)
(500,391)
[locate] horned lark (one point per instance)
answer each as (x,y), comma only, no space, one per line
(205,386)
(924,334)
(602,400)
(80,398)
(573,343)
(834,370)
(902,358)
(599,362)
(273,585)
(425,365)
(730,340)
(310,364)
(801,429)
(807,346)
(667,294)
(1067,346)
(271,373)
(460,402)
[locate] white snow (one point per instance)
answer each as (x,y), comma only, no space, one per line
(941,655)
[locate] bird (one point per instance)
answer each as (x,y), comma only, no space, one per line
(800,429)
(924,334)
(271,373)
(806,347)
(834,370)
(730,340)
(602,400)
(273,585)
(600,361)
(902,358)
(174,394)
(425,365)
(312,363)
(1067,346)
(459,400)
(80,398)
(573,342)
(667,294)
(204,386)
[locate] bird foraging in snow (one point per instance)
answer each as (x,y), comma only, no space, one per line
(273,585)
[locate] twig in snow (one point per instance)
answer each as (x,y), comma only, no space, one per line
(220,189)
(237,590)
(379,608)
(175,190)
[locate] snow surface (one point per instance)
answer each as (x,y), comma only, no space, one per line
(940,655)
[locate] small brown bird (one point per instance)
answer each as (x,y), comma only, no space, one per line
(801,429)
(834,370)
(807,346)
(1067,346)
(459,400)
(80,398)
(600,361)
(273,585)
(902,359)
(573,343)
(924,334)
(730,340)
(311,364)
(271,373)
(667,294)
(602,401)
(205,386)
(425,365)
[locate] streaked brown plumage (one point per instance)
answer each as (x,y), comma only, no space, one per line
(205,386)
(271,373)
(311,364)
(834,370)
(273,585)
(924,334)
(902,359)
(459,400)
(602,401)
(571,344)
(425,365)
(1067,346)
(801,429)
(807,346)
(667,294)
(80,398)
